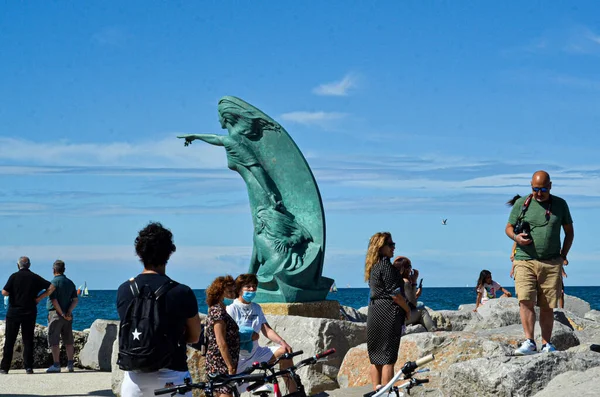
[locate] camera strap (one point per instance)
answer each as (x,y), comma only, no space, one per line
(526,206)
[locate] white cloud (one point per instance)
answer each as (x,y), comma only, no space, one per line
(312,118)
(576,39)
(337,88)
(167,152)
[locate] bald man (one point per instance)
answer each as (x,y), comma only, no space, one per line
(539,257)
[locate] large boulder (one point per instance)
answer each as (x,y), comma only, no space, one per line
(574,383)
(351,314)
(576,305)
(314,335)
(97,352)
(450,348)
(495,313)
(42,356)
(457,319)
(116,373)
(512,376)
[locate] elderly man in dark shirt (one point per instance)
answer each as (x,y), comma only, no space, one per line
(22,289)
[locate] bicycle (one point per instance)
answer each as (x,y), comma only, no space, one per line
(247,376)
(270,375)
(214,381)
(407,371)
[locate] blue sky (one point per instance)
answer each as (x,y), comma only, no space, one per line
(407,112)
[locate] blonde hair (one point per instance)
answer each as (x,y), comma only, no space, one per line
(377,241)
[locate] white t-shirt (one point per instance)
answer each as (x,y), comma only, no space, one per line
(488,291)
(247,315)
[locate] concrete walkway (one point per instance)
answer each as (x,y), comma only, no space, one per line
(84,383)
(79,383)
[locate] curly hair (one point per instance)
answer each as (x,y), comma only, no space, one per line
(377,241)
(244,279)
(154,245)
(215,291)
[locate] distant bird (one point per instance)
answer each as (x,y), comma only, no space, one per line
(444,222)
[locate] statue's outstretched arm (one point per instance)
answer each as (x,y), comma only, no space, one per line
(208,138)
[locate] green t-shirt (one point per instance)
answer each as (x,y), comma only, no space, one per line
(544,232)
(64,293)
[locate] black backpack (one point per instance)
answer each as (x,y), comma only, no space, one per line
(144,341)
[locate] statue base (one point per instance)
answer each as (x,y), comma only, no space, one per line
(318,309)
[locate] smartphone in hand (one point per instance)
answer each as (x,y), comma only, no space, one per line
(421,283)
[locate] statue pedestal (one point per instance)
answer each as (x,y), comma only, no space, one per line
(318,309)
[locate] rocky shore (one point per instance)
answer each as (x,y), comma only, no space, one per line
(473,352)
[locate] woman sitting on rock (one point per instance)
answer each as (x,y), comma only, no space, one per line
(223,349)
(418,315)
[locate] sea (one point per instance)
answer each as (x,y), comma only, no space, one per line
(101,303)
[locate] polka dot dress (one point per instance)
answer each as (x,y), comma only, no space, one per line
(385,318)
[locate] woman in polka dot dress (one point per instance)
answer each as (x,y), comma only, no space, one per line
(387,308)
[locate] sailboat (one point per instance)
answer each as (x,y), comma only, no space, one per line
(83,290)
(333,288)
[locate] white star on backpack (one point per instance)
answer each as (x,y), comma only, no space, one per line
(136,334)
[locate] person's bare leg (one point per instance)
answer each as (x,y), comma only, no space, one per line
(56,353)
(289,382)
(546,323)
(375,374)
(387,373)
(527,313)
(70,352)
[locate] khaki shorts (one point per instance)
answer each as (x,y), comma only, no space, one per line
(57,327)
(539,281)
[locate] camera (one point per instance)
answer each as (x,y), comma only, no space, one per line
(523,227)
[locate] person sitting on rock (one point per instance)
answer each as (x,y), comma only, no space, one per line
(487,289)
(418,313)
(250,315)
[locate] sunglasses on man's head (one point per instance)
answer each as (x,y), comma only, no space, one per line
(540,189)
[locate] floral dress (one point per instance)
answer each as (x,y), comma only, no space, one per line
(215,364)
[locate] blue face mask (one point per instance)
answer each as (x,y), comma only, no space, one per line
(227,301)
(249,296)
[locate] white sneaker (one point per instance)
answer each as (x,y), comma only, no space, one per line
(526,348)
(548,347)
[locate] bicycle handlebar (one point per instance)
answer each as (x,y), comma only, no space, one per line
(424,360)
(179,389)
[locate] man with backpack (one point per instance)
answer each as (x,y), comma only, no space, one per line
(158,318)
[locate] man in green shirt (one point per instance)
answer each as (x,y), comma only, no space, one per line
(60,316)
(539,257)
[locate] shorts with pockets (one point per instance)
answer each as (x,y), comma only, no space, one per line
(539,281)
(59,327)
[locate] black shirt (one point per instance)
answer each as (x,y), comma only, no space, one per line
(23,288)
(181,304)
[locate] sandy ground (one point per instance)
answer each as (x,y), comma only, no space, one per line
(65,384)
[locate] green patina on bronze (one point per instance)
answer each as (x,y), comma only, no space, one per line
(287,211)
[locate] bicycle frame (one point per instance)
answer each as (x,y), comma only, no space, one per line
(291,372)
(406,372)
